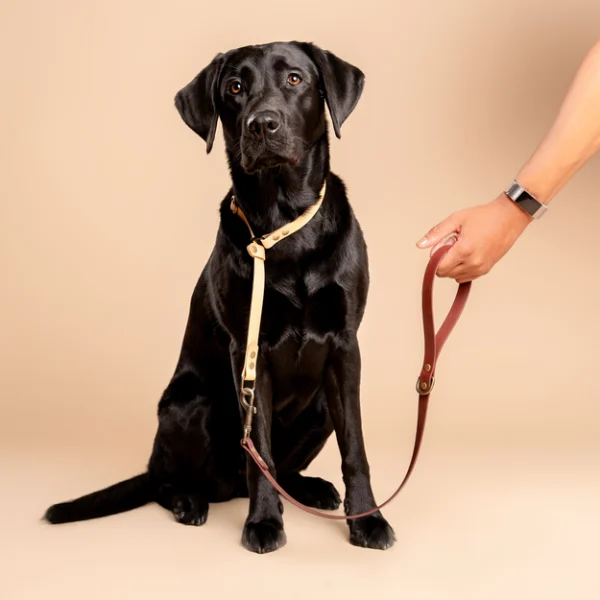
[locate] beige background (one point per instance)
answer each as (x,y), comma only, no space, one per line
(109,211)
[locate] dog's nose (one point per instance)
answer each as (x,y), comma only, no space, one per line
(265,123)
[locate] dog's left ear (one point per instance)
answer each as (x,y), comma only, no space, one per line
(197,102)
(342,83)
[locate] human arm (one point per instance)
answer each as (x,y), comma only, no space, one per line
(487,232)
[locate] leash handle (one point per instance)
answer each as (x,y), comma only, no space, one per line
(433,346)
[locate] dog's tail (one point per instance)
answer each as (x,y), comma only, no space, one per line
(120,497)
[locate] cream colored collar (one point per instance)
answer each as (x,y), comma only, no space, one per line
(269,240)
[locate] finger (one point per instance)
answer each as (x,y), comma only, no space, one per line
(439,232)
(447,241)
(462,280)
(464,273)
(450,263)
(470,273)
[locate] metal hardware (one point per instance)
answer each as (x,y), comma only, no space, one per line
(529,203)
(249,407)
(247,404)
(423,389)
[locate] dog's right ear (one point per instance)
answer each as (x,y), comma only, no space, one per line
(197,102)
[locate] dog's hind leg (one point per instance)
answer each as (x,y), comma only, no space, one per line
(296,446)
(181,448)
(188,507)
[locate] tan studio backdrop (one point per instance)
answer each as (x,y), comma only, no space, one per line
(108,214)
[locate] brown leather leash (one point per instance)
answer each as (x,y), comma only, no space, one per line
(434,342)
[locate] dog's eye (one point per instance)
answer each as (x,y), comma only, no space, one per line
(236,87)
(294,79)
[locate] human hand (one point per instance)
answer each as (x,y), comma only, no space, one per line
(484,235)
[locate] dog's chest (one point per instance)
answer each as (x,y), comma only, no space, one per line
(297,329)
(298,311)
(297,372)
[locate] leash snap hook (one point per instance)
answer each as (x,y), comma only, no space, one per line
(247,401)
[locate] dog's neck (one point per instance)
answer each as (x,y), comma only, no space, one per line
(274,197)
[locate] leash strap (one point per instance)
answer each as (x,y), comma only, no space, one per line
(257,250)
(425,383)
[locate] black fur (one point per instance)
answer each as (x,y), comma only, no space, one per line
(317,283)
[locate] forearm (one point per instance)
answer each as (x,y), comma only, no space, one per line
(573,138)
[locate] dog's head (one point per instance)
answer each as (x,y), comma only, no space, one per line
(270,100)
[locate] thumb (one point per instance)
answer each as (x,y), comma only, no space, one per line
(439,232)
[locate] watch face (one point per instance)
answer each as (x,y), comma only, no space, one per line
(525,200)
(527,203)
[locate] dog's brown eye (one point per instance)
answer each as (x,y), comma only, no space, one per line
(294,79)
(236,87)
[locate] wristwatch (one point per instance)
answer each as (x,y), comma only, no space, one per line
(521,197)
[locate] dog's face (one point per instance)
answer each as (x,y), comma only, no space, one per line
(270,100)
(270,105)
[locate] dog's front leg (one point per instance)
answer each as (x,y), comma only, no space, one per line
(343,399)
(263,530)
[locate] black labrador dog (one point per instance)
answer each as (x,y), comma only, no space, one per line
(271,100)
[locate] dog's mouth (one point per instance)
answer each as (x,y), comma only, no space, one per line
(266,161)
(266,156)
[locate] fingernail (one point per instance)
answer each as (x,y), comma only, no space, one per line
(422,242)
(449,241)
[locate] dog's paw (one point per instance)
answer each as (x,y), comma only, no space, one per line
(372,532)
(264,536)
(312,491)
(190,509)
